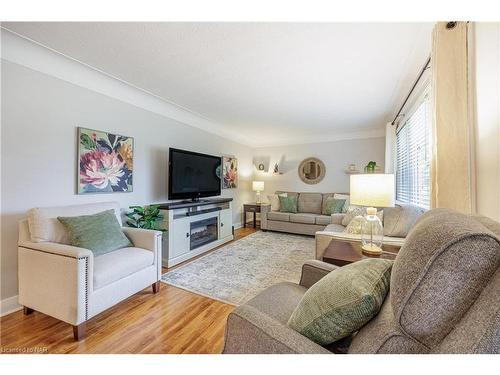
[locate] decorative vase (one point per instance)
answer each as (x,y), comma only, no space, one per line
(372,232)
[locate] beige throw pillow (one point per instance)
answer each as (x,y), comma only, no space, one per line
(354,227)
(274,200)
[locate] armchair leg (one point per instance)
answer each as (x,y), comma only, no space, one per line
(27,310)
(156,287)
(79,331)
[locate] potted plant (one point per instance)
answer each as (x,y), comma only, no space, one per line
(370,167)
(147,217)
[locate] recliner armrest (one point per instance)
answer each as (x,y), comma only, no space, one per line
(57,249)
(313,271)
(251,331)
(144,238)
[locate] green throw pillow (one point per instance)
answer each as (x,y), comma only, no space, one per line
(343,301)
(101,233)
(288,204)
(334,205)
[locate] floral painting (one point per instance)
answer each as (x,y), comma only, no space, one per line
(230,169)
(106,162)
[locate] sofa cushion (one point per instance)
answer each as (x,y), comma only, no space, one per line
(351,213)
(274,200)
(354,227)
(343,301)
(347,200)
(100,233)
(323,219)
(333,206)
(382,335)
(492,225)
(444,264)
(303,218)
(279,300)
(310,203)
(288,203)
(118,264)
(400,219)
(278,216)
(44,226)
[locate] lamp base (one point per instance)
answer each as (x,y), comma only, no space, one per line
(371,249)
(257,198)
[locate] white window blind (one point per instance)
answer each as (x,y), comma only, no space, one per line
(413,157)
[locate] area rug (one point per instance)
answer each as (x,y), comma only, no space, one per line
(238,271)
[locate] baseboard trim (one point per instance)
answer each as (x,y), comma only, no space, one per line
(9,305)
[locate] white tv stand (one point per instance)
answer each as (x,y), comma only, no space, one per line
(195,228)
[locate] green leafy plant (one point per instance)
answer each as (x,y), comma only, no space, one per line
(370,167)
(147,217)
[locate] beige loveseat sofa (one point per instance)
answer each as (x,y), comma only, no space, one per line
(444,297)
(308,219)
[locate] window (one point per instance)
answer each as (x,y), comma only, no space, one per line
(413,157)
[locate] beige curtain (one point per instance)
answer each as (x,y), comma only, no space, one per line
(451,169)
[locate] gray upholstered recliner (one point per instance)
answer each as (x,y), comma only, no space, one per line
(444,297)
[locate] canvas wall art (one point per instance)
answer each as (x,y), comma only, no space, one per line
(105,161)
(230,169)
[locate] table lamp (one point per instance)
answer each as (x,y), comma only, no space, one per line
(372,190)
(258,186)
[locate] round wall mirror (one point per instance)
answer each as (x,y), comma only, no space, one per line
(312,170)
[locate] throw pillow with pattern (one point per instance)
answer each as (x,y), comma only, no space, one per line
(354,227)
(333,206)
(288,204)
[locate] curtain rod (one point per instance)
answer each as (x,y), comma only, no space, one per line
(426,66)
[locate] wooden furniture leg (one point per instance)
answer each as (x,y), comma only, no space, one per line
(79,331)
(255,219)
(27,310)
(156,287)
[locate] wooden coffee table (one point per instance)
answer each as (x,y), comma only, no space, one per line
(342,252)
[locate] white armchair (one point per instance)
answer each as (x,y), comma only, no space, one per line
(68,282)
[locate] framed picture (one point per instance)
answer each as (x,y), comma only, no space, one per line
(230,172)
(105,162)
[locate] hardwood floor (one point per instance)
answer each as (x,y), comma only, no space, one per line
(170,321)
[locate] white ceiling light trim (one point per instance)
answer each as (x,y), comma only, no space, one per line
(31,54)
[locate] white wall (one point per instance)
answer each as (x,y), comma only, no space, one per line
(336,156)
(486,72)
(40,114)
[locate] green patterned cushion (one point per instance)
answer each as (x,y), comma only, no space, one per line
(288,204)
(101,233)
(333,206)
(343,301)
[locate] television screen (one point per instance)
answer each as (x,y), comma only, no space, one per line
(193,175)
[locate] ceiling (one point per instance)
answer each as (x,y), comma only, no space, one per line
(272,83)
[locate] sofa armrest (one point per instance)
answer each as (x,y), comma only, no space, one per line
(264,209)
(313,271)
(55,279)
(337,219)
(250,331)
(57,249)
(144,238)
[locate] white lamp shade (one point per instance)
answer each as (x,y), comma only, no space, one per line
(374,189)
(258,185)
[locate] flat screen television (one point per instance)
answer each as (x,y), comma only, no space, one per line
(192,175)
